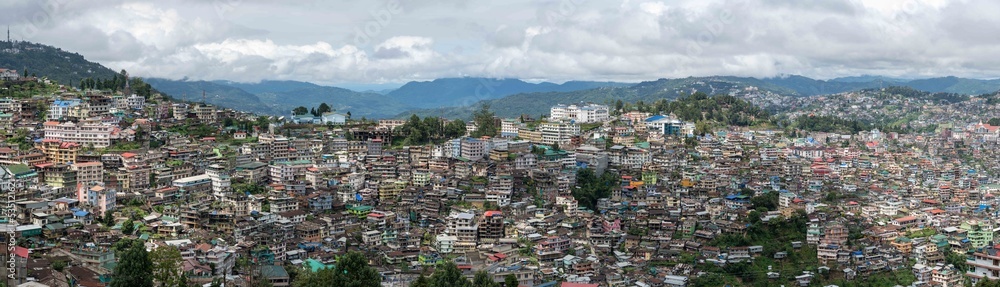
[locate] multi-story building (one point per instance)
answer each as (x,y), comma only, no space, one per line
(509,128)
(463,226)
(984,264)
(87,134)
(57,151)
(198,184)
(287,171)
(473,149)
(584,113)
(491,226)
(220,179)
(61,109)
(558,133)
(101,199)
(88,174)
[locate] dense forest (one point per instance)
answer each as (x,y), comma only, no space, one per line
(53,63)
(698,107)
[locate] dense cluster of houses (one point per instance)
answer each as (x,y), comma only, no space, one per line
(264,200)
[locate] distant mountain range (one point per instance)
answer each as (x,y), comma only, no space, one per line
(455,97)
(280,97)
(463,91)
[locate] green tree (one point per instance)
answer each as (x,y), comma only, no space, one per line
(994,122)
(421,281)
(167,266)
(449,275)
(454,129)
(485,123)
(300,111)
(351,270)
(510,280)
(58,265)
(134,269)
(323,108)
(128,227)
(483,279)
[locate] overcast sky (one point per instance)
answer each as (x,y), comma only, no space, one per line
(379,41)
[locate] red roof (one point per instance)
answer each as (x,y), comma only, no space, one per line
(568,284)
(492,213)
(905,219)
(21,251)
(128,155)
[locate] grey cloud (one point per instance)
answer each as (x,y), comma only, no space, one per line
(251,40)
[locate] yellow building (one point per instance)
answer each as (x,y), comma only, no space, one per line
(57,151)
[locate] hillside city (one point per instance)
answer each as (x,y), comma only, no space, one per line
(112,183)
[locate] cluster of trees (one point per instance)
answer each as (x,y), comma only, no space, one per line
(486,124)
(117,83)
(831,124)
(351,270)
(246,125)
(590,187)
(991,99)
(317,111)
(139,268)
(994,122)
(417,131)
(448,275)
(988,283)
(699,107)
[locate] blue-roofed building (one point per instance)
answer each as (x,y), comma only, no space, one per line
(668,125)
(60,108)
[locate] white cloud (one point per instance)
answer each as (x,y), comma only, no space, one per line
(556,39)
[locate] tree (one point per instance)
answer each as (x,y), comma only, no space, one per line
(454,129)
(323,108)
(167,266)
(134,269)
(510,280)
(58,265)
(421,281)
(128,227)
(485,124)
(351,270)
(109,218)
(483,279)
(994,122)
(300,111)
(449,275)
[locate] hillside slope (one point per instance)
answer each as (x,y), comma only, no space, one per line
(64,67)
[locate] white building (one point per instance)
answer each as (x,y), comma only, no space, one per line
(473,149)
(585,113)
(9,75)
(334,118)
(558,133)
(509,128)
(61,108)
(445,243)
(135,102)
(97,135)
